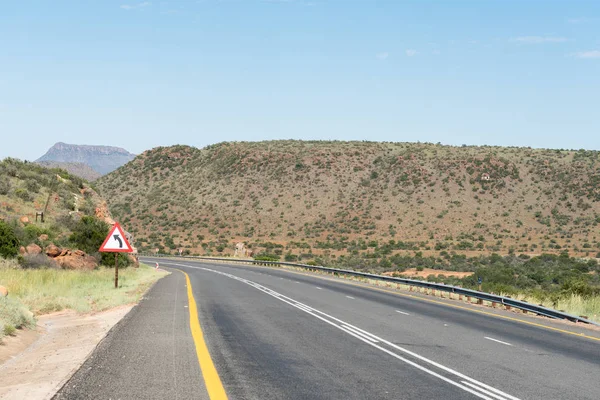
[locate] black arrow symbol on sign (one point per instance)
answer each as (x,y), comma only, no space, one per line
(117,237)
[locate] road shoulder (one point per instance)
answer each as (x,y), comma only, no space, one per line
(66,342)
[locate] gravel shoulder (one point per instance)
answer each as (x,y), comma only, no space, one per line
(64,341)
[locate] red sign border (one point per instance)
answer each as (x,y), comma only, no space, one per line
(128,248)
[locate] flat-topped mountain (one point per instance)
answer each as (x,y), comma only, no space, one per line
(102,159)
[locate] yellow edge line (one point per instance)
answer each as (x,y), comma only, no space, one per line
(209,372)
(582,335)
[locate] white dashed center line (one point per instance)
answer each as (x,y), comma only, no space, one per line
(402,312)
(318,288)
(350,297)
(497,341)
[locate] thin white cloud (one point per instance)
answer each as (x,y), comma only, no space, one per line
(410,52)
(538,39)
(588,54)
(135,6)
(382,56)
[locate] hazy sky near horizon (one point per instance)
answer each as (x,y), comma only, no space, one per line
(141,74)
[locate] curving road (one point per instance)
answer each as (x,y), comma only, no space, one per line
(277,334)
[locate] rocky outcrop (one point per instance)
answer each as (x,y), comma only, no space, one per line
(103,214)
(52,250)
(76,260)
(33,249)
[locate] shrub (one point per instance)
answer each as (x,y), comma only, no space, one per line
(108,259)
(32,185)
(37,261)
(289,257)
(89,234)
(266,257)
(9,243)
(4,185)
(23,194)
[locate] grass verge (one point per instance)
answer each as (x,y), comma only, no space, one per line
(41,291)
(572,304)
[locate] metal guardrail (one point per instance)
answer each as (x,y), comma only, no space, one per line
(506,301)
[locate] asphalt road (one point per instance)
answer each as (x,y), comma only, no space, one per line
(275,334)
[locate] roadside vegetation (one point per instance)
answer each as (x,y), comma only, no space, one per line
(55,264)
(557,281)
(33,292)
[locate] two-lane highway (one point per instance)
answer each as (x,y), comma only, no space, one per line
(275,334)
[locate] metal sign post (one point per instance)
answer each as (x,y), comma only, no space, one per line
(116,270)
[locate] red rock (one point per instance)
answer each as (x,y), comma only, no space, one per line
(24,220)
(53,250)
(33,249)
(3,291)
(22,251)
(43,237)
(76,260)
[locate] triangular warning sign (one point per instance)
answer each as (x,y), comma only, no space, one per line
(116,242)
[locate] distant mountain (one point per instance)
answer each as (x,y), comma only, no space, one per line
(76,168)
(102,159)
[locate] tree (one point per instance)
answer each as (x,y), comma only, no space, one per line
(9,243)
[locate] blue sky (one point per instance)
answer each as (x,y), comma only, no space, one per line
(139,74)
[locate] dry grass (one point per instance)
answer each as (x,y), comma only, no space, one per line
(573,304)
(41,291)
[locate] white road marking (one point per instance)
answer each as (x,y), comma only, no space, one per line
(402,312)
(350,297)
(478,388)
(318,288)
(360,334)
(475,387)
(496,340)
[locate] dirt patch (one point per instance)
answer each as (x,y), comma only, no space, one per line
(66,340)
(13,345)
(412,272)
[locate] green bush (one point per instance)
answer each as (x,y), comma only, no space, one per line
(108,260)
(89,234)
(4,185)
(32,185)
(266,257)
(23,194)
(9,243)
(289,257)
